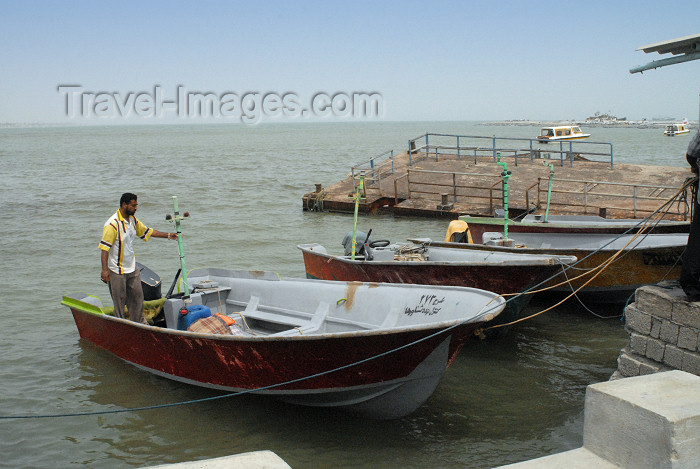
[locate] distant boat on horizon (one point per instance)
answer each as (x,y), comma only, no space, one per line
(677,129)
(561,132)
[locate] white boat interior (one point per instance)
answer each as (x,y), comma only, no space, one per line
(592,220)
(265,304)
(590,242)
(411,252)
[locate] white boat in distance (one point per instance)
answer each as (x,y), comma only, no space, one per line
(561,132)
(677,129)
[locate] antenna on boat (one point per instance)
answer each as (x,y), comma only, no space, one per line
(357,196)
(549,189)
(176,217)
(505,175)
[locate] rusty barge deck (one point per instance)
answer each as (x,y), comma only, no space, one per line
(448,184)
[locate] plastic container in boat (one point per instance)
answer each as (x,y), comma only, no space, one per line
(191,314)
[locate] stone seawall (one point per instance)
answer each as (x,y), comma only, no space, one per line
(664,333)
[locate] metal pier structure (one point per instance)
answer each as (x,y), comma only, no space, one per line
(443,175)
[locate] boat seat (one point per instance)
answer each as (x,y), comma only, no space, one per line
(280,321)
(251,311)
(313,325)
(252,304)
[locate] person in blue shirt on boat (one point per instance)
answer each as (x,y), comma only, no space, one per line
(118,261)
(690,270)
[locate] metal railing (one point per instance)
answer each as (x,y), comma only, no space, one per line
(433,145)
(453,184)
(372,171)
(587,190)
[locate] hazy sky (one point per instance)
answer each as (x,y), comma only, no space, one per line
(437,60)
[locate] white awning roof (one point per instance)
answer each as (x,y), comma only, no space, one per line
(685,48)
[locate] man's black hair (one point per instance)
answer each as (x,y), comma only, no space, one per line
(126,198)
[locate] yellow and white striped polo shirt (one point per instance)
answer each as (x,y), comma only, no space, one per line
(117,238)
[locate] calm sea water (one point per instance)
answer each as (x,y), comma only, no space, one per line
(501,402)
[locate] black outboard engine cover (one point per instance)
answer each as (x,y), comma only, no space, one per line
(150,283)
(360,237)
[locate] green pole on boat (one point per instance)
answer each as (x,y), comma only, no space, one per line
(176,217)
(505,175)
(358,196)
(549,189)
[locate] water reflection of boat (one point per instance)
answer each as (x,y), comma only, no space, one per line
(561,132)
(504,273)
(400,338)
(677,129)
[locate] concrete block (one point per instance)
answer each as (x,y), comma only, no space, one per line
(671,285)
(688,338)
(675,294)
(628,365)
(655,327)
(580,458)
(649,368)
(673,357)
(669,332)
(654,300)
(637,320)
(655,350)
(645,422)
(253,460)
(638,343)
(686,314)
(691,362)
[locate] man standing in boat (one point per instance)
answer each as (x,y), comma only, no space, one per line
(118,261)
(690,271)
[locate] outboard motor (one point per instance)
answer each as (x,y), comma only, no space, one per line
(361,239)
(150,283)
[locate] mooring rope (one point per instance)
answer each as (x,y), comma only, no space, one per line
(644,225)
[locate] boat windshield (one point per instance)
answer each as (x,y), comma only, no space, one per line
(547,133)
(577,130)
